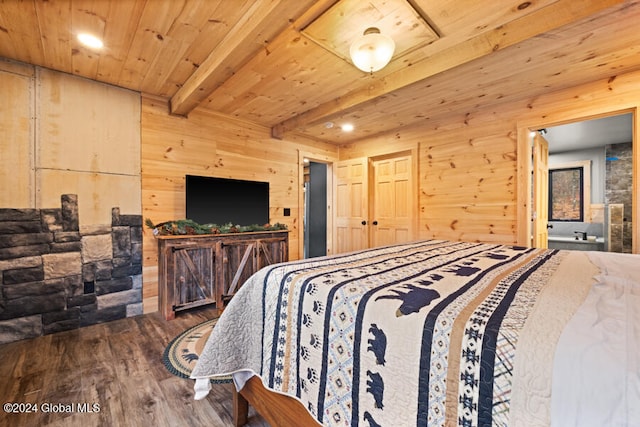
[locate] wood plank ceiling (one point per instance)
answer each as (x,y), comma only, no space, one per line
(283,63)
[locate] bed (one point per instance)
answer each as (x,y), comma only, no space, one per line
(436,333)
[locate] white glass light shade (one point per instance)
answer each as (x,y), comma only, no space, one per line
(372,51)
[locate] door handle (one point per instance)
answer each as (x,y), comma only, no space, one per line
(364,222)
(375,223)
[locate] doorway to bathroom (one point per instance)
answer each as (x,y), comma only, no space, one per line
(589,185)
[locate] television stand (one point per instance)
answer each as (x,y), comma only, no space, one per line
(208,269)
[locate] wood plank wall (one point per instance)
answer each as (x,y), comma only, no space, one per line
(473,166)
(467,176)
(212,145)
(473,182)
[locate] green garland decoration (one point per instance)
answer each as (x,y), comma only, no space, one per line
(189,227)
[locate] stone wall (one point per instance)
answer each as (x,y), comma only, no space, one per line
(56,276)
(618,190)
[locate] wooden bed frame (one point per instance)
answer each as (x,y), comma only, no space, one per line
(277,409)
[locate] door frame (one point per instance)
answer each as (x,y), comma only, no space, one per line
(331,202)
(525,169)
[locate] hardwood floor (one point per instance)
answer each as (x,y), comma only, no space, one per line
(116,366)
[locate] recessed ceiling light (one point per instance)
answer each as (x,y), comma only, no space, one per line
(90,41)
(347,127)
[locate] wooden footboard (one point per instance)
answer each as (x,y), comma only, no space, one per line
(277,409)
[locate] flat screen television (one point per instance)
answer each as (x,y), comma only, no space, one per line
(221,201)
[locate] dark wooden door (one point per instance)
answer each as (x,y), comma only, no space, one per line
(193,275)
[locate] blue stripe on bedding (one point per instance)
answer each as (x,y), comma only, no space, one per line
(487,361)
(361,309)
(358,326)
(422,416)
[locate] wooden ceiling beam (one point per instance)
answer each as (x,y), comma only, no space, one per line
(214,69)
(546,19)
(264,19)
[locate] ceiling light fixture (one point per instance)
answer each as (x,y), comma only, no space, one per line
(90,41)
(347,127)
(372,51)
